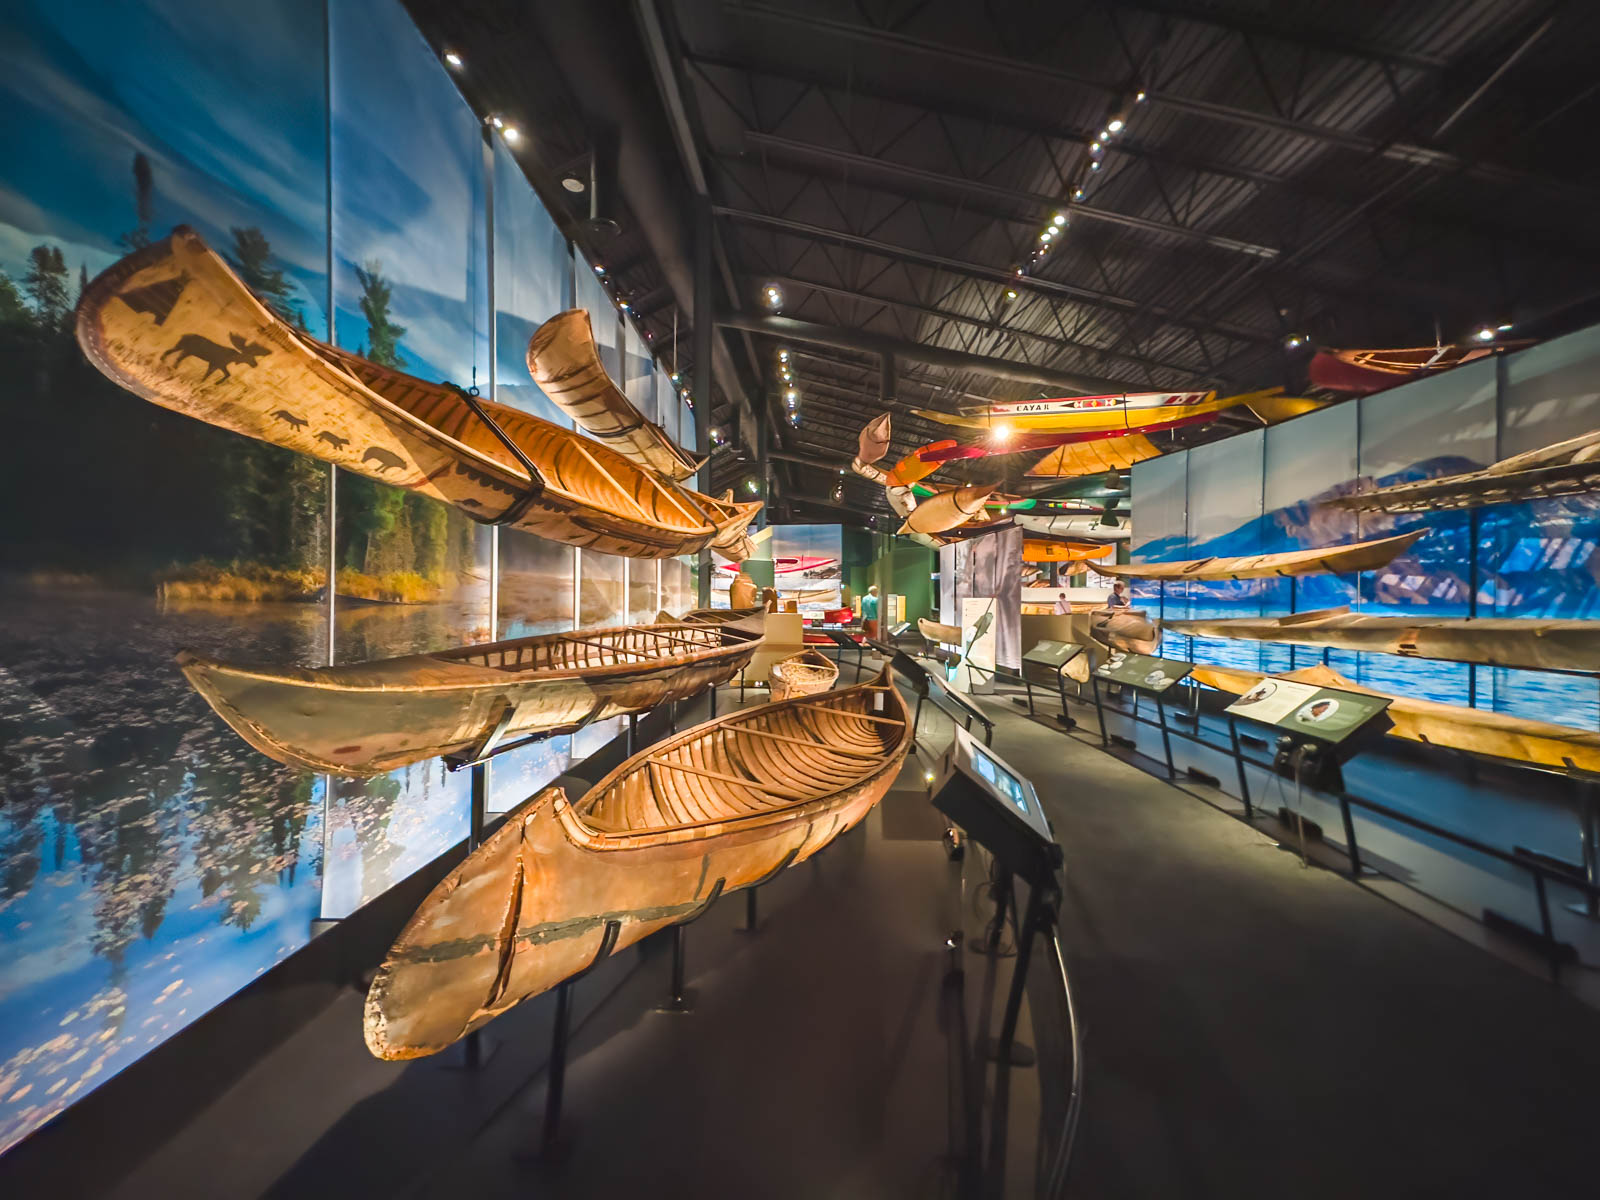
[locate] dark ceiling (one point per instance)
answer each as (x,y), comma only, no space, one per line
(1361,174)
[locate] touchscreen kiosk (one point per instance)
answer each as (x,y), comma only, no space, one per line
(998,807)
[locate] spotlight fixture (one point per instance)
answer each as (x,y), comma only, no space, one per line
(1059,220)
(496,122)
(453,60)
(1077,193)
(1294,341)
(509,132)
(1486,334)
(783,356)
(674,377)
(1001,433)
(573,183)
(791,394)
(752,486)
(1095,165)
(1047,235)
(774,297)
(1011,293)
(1139,99)
(599,270)
(1094,147)
(1504,328)
(1115,125)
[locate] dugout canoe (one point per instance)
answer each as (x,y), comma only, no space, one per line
(173,324)
(565,363)
(1567,468)
(367,718)
(938,634)
(563,884)
(802,674)
(1521,643)
(1474,730)
(1334,560)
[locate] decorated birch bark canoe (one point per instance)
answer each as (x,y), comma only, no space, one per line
(367,718)
(1529,644)
(562,884)
(802,674)
(172,323)
(1569,468)
(565,363)
(1474,730)
(1335,560)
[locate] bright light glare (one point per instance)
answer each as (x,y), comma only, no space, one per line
(1116,125)
(1002,433)
(1485,334)
(1059,220)
(452,59)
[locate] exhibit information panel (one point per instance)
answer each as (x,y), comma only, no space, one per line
(1052,656)
(998,807)
(1143,671)
(1326,714)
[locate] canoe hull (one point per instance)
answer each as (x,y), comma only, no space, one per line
(530,907)
(803,674)
(1335,560)
(365,720)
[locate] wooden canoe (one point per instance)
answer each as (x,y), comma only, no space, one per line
(1475,730)
(947,510)
(565,363)
(802,674)
(367,718)
(560,884)
(1335,560)
(172,323)
(938,634)
(1568,468)
(1522,643)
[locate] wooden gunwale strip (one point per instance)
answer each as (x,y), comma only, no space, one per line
(649,518)
(749,783)
(795,741)
(602,646)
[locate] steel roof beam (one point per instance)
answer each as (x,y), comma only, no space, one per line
(1001,275)
(1409,153)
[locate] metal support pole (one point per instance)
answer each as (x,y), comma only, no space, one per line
(633,733)
(1350,836)
(1238,762)
(703,321)
(679,1001)
(1004,1048)
(1166,739)
(556,1071)
(1099,708)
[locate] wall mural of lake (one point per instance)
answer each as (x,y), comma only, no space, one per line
(151,863)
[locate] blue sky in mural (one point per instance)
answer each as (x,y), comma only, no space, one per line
(408,194)
(85,86)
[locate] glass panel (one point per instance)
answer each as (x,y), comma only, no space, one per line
(1431,427)
(601,596)
(678,593)
(410,289)
(1159,498)
(1308,460)
(640,386)
(1224,516)
(591,295)
(532,281)
(535,598)
(806,564)
(667,405)
(1537,559)
(644,594)
(153,862)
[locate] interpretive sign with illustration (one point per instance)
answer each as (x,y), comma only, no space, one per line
(1143,671)
(1326,714)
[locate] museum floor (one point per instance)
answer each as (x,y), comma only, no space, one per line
(1251,1028)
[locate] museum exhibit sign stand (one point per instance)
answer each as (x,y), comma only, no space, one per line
(1319,743)
(1046,665)
(1145,674)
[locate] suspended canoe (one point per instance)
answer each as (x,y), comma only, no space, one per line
(372,717)
(802,674)
(1361,372)
(938,634)
(565,362)
(947,510)
(1474,730)
(1334,560)
(1568,468)
(1074,525)
(1096,457)
(873,441)
(172,323)
(1125,629)
(1527,644)
(1121,413)
(921,463)
(561,885)
(1036,550)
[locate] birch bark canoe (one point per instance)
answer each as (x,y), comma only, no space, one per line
(173,324)
(565,362)
(802,674)
(947,510)
(1474,730)
(1567,468)
(367,718)
(1075,525)
(719,807)
(1125,629)
(1521,643)
(1335,560)
(939,634)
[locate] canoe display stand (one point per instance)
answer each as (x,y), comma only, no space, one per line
(680,999)
(752,916)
